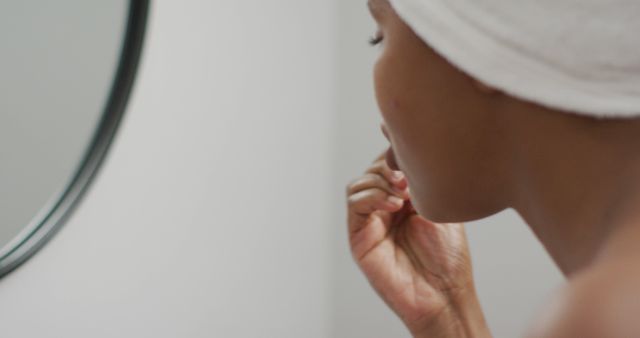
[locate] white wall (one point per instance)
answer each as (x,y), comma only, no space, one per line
(513,273)
(210,217)
(220,211)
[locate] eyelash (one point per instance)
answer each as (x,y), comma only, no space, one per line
(375,40)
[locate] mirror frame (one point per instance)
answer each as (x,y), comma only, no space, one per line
(57,213)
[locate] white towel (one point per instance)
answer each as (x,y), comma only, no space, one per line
(581,56)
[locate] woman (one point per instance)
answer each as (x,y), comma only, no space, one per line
(480,130)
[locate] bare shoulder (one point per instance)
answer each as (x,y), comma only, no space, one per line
(602,302)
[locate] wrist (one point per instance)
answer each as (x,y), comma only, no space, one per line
(461,318)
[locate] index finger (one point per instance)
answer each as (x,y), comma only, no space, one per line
(381,167)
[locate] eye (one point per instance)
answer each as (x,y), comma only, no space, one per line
(376,39)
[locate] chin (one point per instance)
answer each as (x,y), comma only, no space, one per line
(453,212)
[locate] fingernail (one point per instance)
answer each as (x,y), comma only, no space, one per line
(400,190)
(395,200)
(397,175)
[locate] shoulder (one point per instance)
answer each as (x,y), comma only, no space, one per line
(602,302)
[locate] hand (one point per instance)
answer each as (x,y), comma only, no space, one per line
(421,269)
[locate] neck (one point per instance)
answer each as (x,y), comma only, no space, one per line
(578,180)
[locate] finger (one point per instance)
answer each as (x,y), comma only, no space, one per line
(381,167)
(365,202)
(368,236)
(358,223)
(369,181)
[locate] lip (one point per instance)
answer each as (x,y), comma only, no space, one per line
(390,156)
(391,160)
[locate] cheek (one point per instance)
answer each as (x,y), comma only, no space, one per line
(389,86)
(413,97)
(417,127)
(401,100)
(381,80)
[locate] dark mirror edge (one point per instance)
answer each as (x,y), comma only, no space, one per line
(114,110)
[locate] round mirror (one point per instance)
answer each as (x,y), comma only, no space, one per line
(66,72)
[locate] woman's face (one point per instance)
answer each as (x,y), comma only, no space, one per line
(441,125)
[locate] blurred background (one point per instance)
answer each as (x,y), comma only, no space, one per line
(220,211)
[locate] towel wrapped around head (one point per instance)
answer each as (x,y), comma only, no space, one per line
(581,56)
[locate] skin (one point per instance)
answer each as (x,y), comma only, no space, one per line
(466,151)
